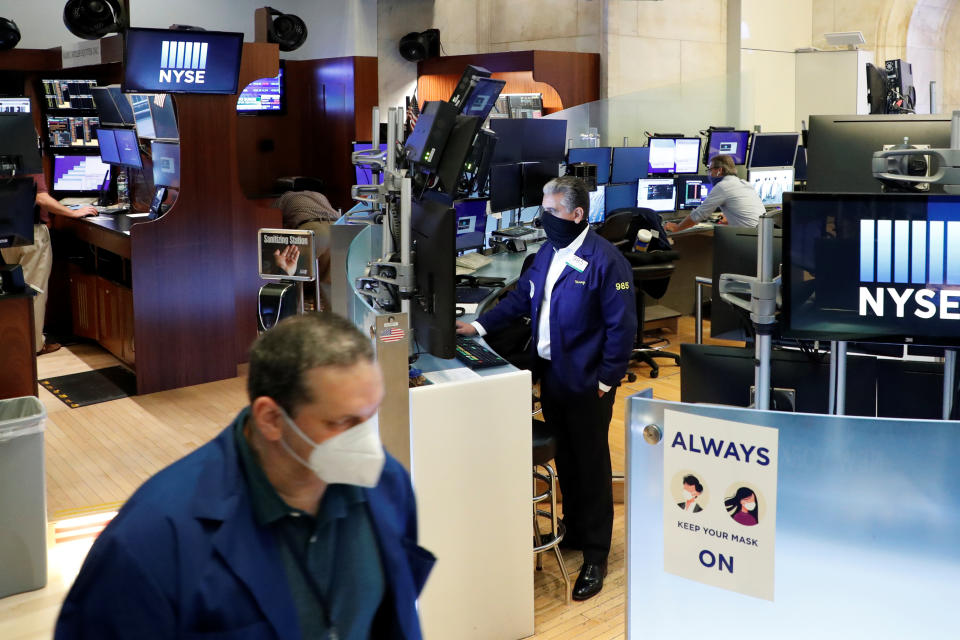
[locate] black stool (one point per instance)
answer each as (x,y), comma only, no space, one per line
(544,450)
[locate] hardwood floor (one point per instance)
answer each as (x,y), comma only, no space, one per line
(96,456)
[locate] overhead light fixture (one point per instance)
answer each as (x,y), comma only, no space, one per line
(9,34)
(93,19)
(286,30)
(185,27)
(420,46)
(851,39)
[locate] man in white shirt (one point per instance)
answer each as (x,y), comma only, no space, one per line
(579,295)
(736,199)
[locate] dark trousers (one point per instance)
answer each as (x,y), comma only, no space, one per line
(581,422)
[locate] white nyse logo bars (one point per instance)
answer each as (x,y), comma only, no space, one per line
(183,61)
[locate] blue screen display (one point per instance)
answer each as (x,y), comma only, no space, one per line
(165,61)
(108,146)
(621,196)
(630,164)
(128,148)
(599,156)
(729,143)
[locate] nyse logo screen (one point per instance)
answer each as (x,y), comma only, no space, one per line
(163,61)
(183,61)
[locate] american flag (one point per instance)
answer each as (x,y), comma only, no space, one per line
(413,113)
(391,334)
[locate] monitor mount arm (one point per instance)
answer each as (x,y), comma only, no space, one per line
(887,165)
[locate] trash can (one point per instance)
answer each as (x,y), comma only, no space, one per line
(23,496)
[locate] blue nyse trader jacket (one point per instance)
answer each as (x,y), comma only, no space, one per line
(593,317)
(185,558)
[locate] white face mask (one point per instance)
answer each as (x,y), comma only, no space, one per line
(687,495)
(352,457)
(749,506)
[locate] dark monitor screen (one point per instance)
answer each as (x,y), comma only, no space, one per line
(529,140)
(113,107)
(433,308)
(509,147)
(774,150)
(365,174)
(872,267)
(80,174)
(128,148)
(730,143)
(840,148)
(19,152)
(108,145)
(599,156)
(471,223)
(166,164)
(506,187)
(735,251)
(165,61)
(692,191)
(17,198)
(674,155)
(482,98)
(265,95)
(659,194)
(800,165)
(620,196)
(535,175)
(629,164)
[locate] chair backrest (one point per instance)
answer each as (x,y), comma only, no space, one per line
(644,218)
(616,228)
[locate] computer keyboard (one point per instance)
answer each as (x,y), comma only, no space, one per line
(473,260)
(514,232)
(112,210)
(472,295)
(475,355)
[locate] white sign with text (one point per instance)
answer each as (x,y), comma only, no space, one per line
(720,502)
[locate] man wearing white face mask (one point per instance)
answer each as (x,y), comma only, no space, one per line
(292,523)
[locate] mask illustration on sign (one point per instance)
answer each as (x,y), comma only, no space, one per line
(742,507)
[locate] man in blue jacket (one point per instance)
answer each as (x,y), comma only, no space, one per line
(292,523)
(579,295)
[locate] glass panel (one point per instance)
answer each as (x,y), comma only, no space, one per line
(867,522)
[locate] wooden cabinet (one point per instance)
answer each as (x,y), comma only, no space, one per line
(83,303)
(125,303)
(18,360)
(115,319)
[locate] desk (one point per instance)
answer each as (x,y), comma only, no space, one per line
(18,353)
(695,246)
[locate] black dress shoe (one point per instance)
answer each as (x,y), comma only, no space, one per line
(590,581)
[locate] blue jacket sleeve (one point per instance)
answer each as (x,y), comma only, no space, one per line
(511,307)
(620,321)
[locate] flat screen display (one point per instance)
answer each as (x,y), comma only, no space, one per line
(598,207)
(165,61)
(730,143)
(506,187)
(108,145)
(872,267)
(112,106)
(14,105)
(674,155)
(166,164)
(128,148)
(471,223)
(771,184)
(482,98)
(80,174)
(68,94)
(599,156)
(774,150)
(629,164)
(658,194)
(620,196)
(691,192)
(262,96)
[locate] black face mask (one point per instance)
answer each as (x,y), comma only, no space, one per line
(561,232)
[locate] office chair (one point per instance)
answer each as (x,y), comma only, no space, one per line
(616,228)
(651,277)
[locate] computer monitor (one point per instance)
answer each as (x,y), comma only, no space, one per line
(263,96)
(674,155)
(598,206)
(364,175)
(658,194)
(113,107)
(840,148)
(108,145)
(15,105)
(771,184)
(469,76)
(69,94)
(774,150)
(165,61)
(692,191)
(730,143)
(506,187)
(629,164)
(72,131)
(17,197)
(482,97)
(599,156)
(877,89)
(509,147)
(80,175)
(19,153)
(128,148)
(872,267)
(735,251)
(154,116)
(543,140)
(620,196)
(471,223)
(800,165)
(166,164)
(433,307)
(535,175)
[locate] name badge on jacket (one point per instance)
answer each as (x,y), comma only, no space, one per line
(576,262)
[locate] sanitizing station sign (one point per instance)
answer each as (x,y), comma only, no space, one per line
(720,503)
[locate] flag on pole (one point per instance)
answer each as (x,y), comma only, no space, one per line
(413,113)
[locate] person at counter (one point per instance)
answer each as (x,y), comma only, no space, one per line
(578,293)
(36,259)
(292,523)
(736,199)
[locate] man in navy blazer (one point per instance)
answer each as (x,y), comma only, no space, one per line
(579,295)
(292,523)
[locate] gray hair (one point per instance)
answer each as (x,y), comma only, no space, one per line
(573,193)
(281,356)
(725,162)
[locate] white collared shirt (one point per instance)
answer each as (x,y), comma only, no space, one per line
(559,262)
(738,201)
